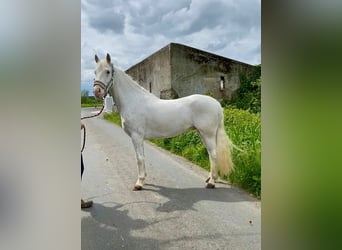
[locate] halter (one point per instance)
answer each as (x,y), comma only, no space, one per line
(107,86)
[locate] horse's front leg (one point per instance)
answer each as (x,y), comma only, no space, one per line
(138,142)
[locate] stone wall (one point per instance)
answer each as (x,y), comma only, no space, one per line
(199,72)
(153,73)
(178,70)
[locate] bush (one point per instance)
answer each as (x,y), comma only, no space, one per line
(244,129)
(188,145)
(89,101)
(113,117)
(248,95)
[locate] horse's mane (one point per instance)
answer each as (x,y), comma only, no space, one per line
(127,79)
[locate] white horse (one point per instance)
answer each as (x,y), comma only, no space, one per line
(144,116)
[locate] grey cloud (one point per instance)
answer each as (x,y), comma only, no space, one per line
(135,29)
(158,17)
(254,53)
(216,46)
(145,17)
(108,22)
(172,18)
(234,17)
(103,16)
(103,4)
(209,16)
(188,18)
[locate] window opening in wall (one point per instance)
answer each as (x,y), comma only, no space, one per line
(150,86)
(222,83)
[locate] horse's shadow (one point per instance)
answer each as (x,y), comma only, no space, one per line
(186,198)
(110,227)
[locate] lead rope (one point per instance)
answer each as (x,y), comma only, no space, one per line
(84,137)
(84,129)
(91,116)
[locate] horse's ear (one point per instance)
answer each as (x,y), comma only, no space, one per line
(108,58)
(96,59)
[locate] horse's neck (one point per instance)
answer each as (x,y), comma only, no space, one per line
(127,94)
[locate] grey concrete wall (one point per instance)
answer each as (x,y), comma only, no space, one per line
(153,73)
(178,70)
(199,72)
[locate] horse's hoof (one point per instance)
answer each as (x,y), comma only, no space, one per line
(207,180)
(210,185)
(137,187)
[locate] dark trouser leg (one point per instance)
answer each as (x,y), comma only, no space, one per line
(82,166)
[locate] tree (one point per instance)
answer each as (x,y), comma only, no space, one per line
(248,96)
(85,96)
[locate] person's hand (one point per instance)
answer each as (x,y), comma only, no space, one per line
(82,126)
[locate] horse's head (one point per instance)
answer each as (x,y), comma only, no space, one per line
(104,73)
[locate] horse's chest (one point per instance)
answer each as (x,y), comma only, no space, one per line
(131,126)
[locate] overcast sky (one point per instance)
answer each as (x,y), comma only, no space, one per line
(131,30)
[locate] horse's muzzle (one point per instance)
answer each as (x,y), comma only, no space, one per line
(98,92)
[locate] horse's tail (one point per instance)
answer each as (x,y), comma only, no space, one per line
(223,151)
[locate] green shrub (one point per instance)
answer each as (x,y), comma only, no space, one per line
(113,117)
(248,95)
(89,101)
(244,129)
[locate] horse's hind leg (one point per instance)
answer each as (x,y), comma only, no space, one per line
(138,143)
(210,143)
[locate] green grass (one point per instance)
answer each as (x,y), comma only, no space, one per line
(89,101)
(90,105)
(244,130)
(188,145)
(113,117)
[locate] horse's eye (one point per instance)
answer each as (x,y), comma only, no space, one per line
(108,72)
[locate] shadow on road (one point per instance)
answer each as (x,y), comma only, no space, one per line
(185,198)
(110,227)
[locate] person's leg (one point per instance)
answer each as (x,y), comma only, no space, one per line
(84,204)
(82,166)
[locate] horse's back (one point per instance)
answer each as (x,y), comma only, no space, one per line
(204,100)
(204,104)
(190,104)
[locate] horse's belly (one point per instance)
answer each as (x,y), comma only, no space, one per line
(166,128)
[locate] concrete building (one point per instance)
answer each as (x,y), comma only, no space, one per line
(178,70)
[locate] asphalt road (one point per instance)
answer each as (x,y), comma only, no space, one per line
(173,211)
